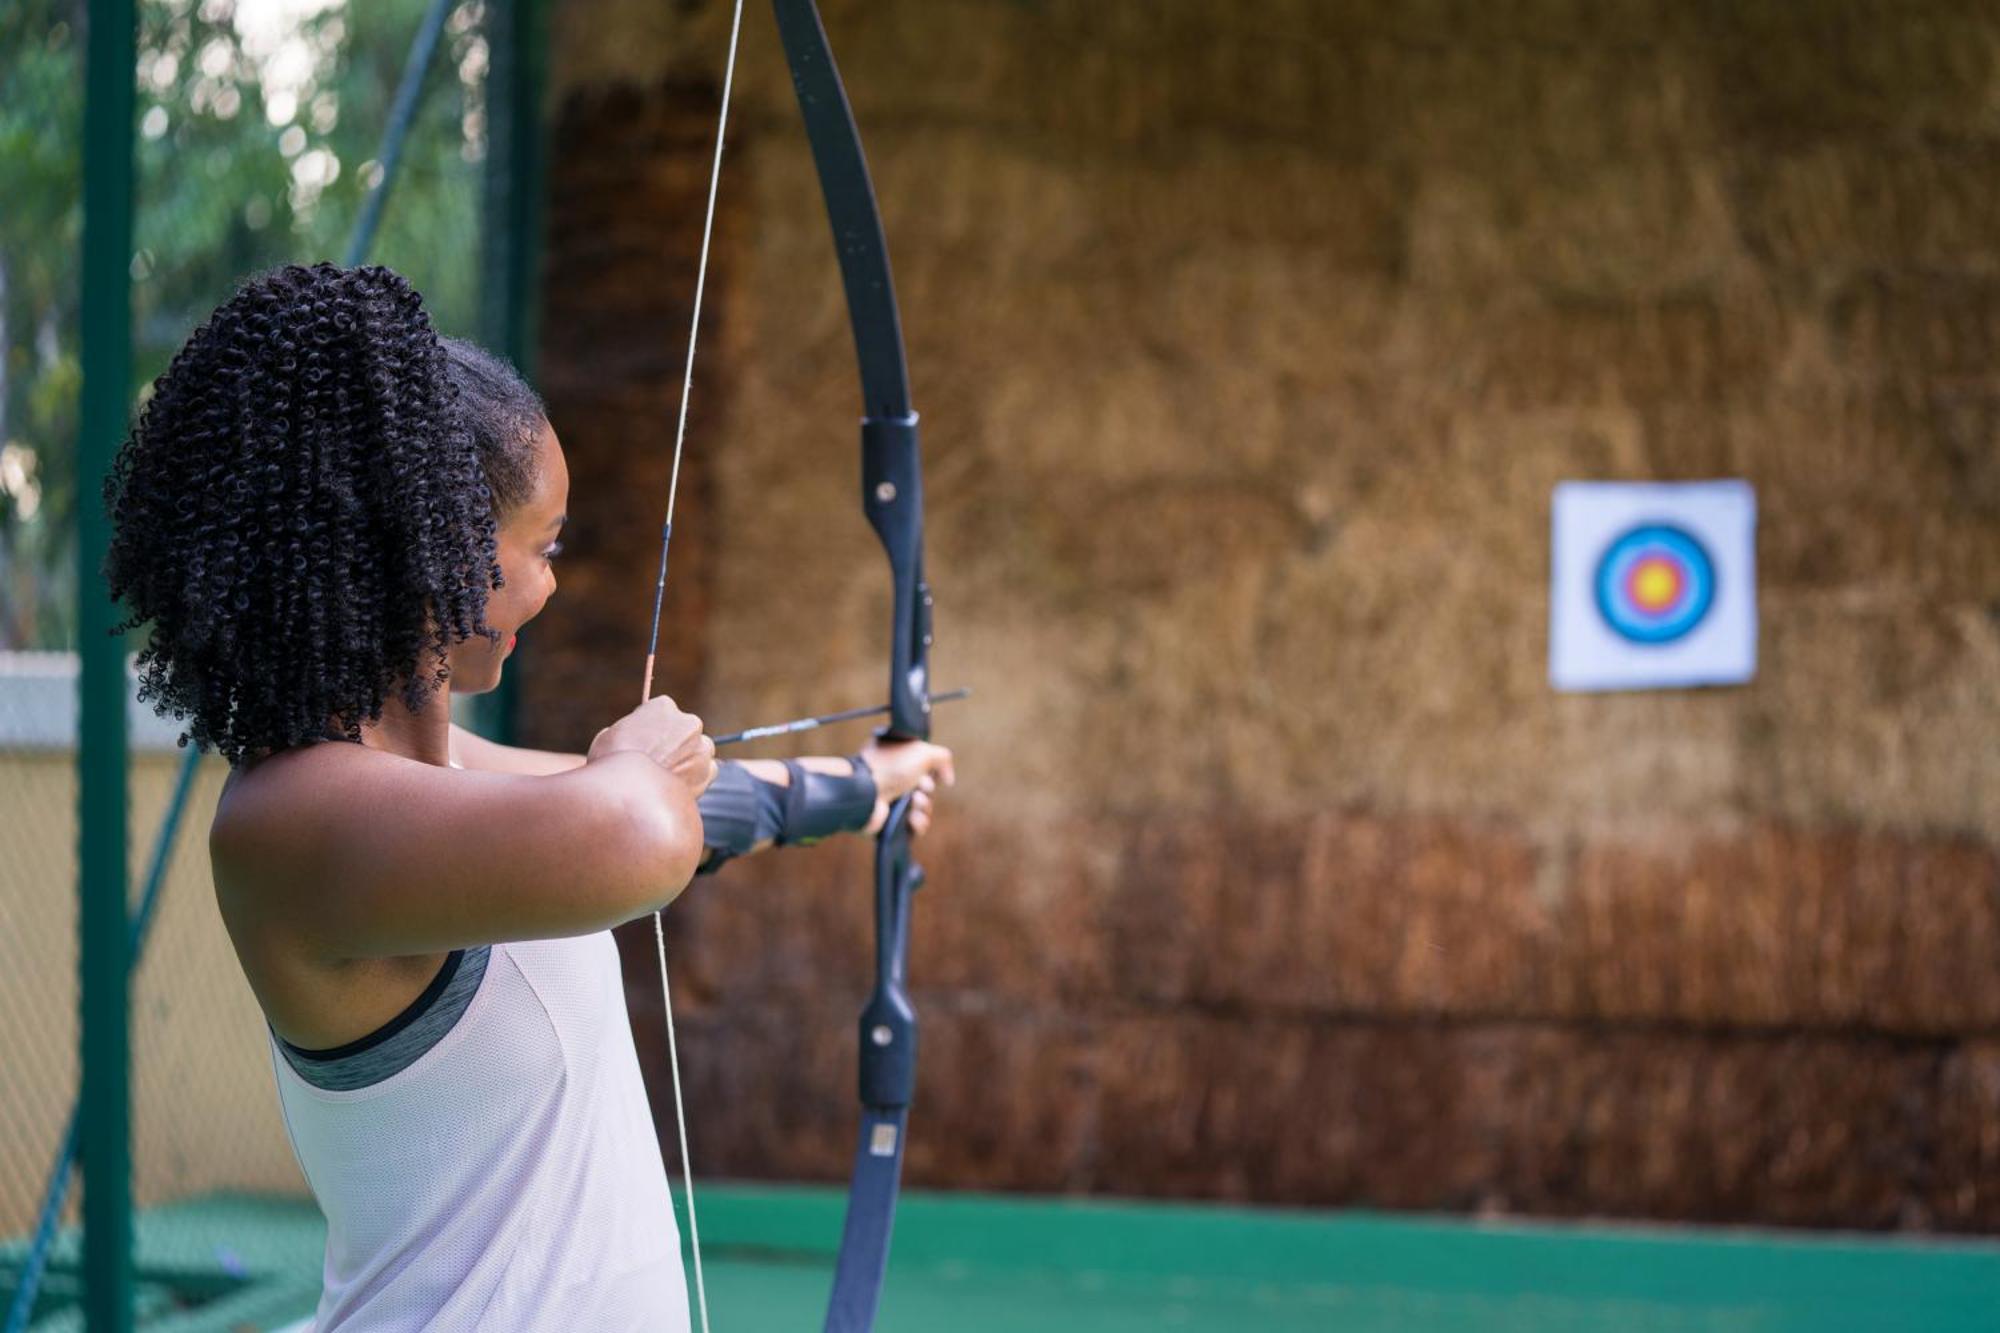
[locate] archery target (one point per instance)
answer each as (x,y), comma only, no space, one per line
(1652,585)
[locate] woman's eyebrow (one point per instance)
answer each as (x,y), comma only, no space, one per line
(557,524)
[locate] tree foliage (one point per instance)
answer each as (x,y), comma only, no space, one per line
(259,126)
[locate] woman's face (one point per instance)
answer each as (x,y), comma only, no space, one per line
(528,544)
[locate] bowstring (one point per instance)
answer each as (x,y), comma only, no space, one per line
(653,644)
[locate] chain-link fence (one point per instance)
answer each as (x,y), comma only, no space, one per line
(204,1117)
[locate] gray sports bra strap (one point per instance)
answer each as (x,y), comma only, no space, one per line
(397,1044)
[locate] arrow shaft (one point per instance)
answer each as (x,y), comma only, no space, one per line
(823,720)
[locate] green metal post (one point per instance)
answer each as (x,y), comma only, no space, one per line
(511,231)
(510,258)
(101,741)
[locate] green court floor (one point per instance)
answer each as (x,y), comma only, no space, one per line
(986,1264)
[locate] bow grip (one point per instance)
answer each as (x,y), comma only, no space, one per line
(889,1020)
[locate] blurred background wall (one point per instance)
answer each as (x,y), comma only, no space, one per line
(1251,339)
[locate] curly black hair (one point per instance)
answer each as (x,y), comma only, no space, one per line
(305,513)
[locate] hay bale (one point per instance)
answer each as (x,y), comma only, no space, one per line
(1250,342)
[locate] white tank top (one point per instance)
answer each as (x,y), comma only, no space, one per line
(508,1179)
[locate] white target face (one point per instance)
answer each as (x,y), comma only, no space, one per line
(1652,586)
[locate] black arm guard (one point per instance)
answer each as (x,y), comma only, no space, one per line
(818,805)
(738,812)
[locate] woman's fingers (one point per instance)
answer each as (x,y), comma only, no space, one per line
(904,766)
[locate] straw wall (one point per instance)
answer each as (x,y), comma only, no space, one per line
(1250,340)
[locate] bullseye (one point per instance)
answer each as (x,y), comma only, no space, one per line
(1654,584)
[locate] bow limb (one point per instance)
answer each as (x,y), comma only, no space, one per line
(892,471)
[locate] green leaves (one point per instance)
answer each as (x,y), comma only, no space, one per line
(257,125)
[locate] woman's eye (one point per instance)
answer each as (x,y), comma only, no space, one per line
(554,549)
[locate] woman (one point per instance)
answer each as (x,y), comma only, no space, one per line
(330,519)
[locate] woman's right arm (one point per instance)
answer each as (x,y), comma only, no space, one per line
(356,853)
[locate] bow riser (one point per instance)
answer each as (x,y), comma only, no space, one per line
(892,493)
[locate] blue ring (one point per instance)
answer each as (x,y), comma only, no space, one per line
(1640,626)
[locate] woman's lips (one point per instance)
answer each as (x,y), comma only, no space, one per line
(512,639)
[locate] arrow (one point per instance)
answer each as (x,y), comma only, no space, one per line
(824,720)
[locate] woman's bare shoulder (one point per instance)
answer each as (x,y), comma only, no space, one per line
(277,812)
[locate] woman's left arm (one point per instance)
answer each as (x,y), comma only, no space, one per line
(898,767)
